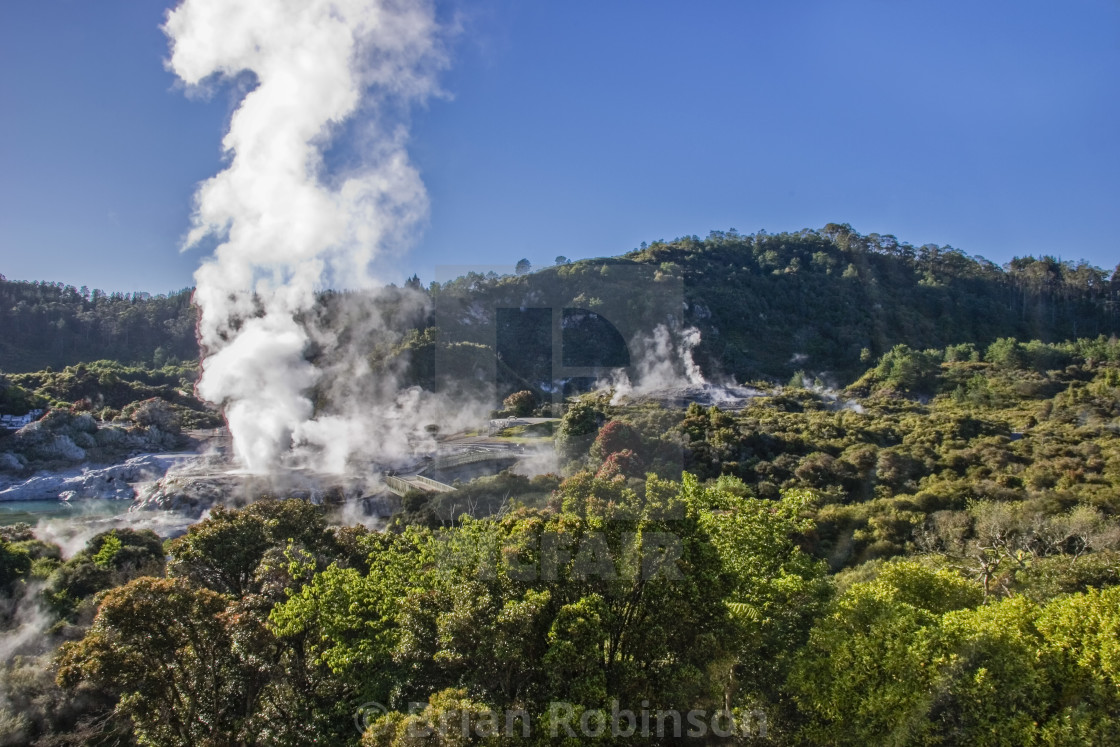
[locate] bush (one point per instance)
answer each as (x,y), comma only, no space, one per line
(614,437)
(520,403)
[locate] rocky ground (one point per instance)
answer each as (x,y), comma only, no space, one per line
(732,397)
(116,481)
(152,465)
(72,456)
(61,440)
(196,485)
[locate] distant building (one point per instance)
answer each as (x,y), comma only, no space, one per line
(15,422)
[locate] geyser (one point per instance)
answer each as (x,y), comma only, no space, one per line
(285,226)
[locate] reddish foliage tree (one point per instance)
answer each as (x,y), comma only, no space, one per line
(625,463)
(613,437)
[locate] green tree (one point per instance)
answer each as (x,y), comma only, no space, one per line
(577,430)
(449,719)
(225,552)
(108,559)
(1006,353)
(520,403)
(348,620)
(615,594)
(777,590)
(15,564)
(108,551)
(163,646)
(909,371)
(1081,645)
(862,678)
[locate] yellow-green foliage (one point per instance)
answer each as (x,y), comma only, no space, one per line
(919,434)
(913,658)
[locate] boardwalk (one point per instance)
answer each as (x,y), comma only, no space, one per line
(477,453)
(500,424)
(401,484)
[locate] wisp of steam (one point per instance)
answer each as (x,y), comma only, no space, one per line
(285,225)
(660,363)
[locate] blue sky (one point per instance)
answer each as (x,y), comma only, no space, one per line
(585,128)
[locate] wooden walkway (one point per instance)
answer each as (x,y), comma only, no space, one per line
(472,455)
(401,484)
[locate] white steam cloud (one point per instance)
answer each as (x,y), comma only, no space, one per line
(660,363)
(286,225)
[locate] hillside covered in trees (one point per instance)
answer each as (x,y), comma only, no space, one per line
(908,533)
(55,325)
(826,301)
(930,557)
(830,294)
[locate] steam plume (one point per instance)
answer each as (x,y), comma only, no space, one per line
(660,363)
(285,227)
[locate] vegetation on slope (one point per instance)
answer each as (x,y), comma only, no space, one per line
(55,325)
(98,412)
(768,305)
(823,297)
(928,556)
(826,301)
(916,453)
(266,626)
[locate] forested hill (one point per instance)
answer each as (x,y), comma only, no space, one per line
(815,300)
(825,301)
(51,324)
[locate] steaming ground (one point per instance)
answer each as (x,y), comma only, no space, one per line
(168,492)
(666,372)
(301,399)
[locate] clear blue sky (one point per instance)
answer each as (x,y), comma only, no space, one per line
(585,128)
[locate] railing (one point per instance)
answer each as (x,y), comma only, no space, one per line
(431,484)
(474,455)
(401,485)
(397,485)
